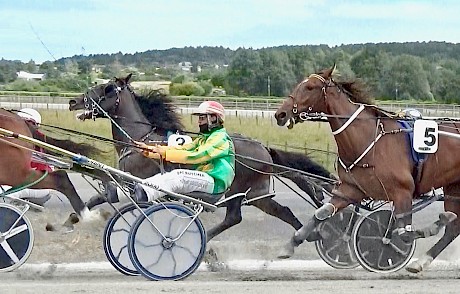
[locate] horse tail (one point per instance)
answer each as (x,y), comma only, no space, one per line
(302,162)
(298,161)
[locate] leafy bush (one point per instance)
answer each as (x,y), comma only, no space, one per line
(207,87)
(187,89)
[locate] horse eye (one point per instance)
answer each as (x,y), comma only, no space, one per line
(109,89)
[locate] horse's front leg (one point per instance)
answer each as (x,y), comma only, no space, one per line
(321,214)
(403,217)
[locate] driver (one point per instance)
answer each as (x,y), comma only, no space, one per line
(212,155)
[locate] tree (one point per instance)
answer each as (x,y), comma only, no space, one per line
(301,60)
(243,72)
(84,66)
(406,79)
(30,66)
(370,66)
(49,69)
(218,79)
(278,70)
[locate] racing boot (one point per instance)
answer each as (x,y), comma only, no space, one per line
(111,192)
(139,194)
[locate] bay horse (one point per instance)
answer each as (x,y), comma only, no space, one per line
(374,160)
(151,117)
(16,156)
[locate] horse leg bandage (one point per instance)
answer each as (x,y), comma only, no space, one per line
(326,211)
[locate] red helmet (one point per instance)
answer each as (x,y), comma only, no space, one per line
(211,107)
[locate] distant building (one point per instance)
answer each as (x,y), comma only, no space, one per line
(23,75)
(185,66)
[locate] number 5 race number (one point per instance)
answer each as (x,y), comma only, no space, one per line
(425,136)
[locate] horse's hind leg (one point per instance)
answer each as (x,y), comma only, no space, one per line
(232,217)
(59,181)
(273,208)
(451,232)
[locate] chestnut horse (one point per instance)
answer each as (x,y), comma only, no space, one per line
(16,156)
(374,160)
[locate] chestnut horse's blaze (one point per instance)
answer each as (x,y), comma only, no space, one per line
(374,158)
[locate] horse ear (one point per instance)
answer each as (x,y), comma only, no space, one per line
(128,78)
(333,69)
(328,73)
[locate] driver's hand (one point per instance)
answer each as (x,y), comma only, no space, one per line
(150,151)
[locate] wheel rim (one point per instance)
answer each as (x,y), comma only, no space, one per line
(335,246)
(116,235)
(16,246)
(157,258)
(373,250)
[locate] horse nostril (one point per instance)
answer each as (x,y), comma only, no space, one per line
(72,102)
(281,115)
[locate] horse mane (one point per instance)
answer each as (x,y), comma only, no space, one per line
(160,110)
(357,91)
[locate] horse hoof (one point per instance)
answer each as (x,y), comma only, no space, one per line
(420,264)
(287,251)
(415,267)
(212,261)
(447,217)
(50,228)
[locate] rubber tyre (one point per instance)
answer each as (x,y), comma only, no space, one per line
(335,246)
(116,235)
(374,251)
(15,247)
(153,256)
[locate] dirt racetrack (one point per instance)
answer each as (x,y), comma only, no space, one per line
(75,262)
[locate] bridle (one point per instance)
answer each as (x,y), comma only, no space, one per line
(329,83)
(305,115)
(96,109)
(92,106)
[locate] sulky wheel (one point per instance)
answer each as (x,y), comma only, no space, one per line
(16,237)
(169,244)
(116,236)
(334,245)
(375,250)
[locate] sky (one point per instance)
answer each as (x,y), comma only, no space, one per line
(52,29)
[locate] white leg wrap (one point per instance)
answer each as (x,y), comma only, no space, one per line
(326,211)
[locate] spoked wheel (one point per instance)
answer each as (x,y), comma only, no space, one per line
(169,244)
(16,237)
(116,235)
(335,246)
(374,247)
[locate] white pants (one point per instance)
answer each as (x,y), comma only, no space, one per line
(27,193)
(180,181)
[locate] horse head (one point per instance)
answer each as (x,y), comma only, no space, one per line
(101,99)
(309,96)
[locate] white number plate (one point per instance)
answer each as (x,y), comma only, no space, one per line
(178,140)
(425,136)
